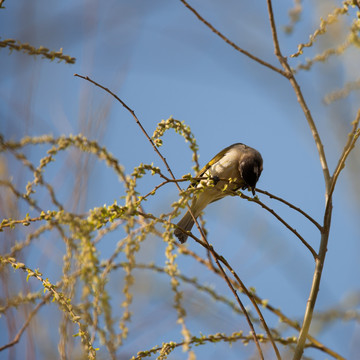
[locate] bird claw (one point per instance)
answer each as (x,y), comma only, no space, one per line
(215,179)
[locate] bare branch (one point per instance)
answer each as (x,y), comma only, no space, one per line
(271,211)
(352,138)
(218,258)
(232,44)
(271,196)
(26,324)
(226,278)
(300,97)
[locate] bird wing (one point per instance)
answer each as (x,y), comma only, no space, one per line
(214,160)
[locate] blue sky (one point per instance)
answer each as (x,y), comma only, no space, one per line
(163,62)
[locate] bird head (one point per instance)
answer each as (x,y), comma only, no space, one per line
(250,168)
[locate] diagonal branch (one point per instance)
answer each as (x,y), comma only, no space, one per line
(271,211)
(218,258)
(232,44)
(132,112)
(226,278)
(26,324)
(277,312)
(271,196)
(352,138)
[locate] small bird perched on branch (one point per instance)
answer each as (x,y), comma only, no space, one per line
(237,166)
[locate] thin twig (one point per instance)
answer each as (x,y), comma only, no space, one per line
(272,196)
(218,258)
(231,43)
(226,278)
(252,299)
(132,112)
(271,211)
(26,324)
(352,138)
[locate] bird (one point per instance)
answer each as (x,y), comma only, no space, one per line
(239,163)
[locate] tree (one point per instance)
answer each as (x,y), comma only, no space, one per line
(112,278)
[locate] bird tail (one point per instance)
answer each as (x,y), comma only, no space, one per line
(186,223)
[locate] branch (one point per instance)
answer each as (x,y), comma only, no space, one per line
(149,139)
(218,258)
(132,112)
(271,211)
(255,299)
(352,138)
(64,303)
(300,97)
(221,271)
(31,50)
(319,260)
(166,348)
(282,317)
(232,44)
(26,324)
(271,196)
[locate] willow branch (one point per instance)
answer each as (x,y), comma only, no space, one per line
(224,275)
(31,50)
(255,299)
(221,271)
(282,317)
(132,112)
(270,195)
(218,258)
(196,222)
